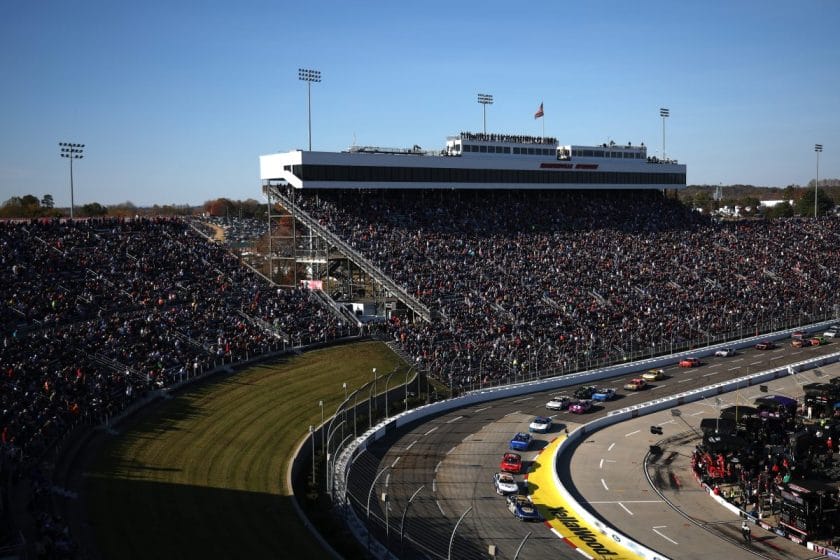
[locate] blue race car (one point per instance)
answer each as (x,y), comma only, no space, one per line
(522,508)
(520,442)
(603,395)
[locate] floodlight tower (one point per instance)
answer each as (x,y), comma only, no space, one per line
(71,151)
(664,113)
(309,76)
(818,149)
(485,100)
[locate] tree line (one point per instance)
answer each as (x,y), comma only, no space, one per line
(30,206)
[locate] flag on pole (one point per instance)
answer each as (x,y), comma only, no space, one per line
(539,112)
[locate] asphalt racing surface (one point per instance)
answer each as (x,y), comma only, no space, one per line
(432,474)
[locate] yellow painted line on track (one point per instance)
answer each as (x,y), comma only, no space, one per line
(559,516)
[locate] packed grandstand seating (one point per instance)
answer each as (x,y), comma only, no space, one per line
(97,313)
(537,281)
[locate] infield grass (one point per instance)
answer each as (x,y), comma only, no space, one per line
(202,475)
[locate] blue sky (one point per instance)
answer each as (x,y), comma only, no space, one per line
(175,100)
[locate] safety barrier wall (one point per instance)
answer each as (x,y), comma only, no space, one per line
(654,406)
(345,458)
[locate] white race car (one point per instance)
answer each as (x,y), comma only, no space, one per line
(505,484)
(558,402)
(540,425)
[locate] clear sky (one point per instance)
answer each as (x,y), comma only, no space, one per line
(175,100)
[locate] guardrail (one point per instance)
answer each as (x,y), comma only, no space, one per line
(654,406)
(343,461)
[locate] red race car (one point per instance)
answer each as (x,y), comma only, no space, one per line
(689,362)
(511,463)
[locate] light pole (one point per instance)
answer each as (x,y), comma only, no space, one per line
(309,76)
(71,151)
(485,100)
(402,521)
(321,404)
(817,148)
(452,538)
(663,112)
(312,443)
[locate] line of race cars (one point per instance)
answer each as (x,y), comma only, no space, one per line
(582,401)
(511,464)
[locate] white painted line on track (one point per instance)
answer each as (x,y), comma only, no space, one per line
(711,374)
(430,431)
(451,450)
(663,536)
(523,399)
(625,508)
(394,464)
(755,363)
(631,433)
(410,445)
(734,368)
(515,412)
(454,419)
(684,380)
(655,387)
(387,479)
(482,409)
(611,446)
(628,502)
(601,464)
(610,461)
(663,423)
(434,485)
(714,366)
(738,360)
(443,514)
(556,532)
(437,467)
(607,488)
(778,350)
(698,413)
(584,554)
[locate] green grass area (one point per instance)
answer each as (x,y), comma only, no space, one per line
(202,475)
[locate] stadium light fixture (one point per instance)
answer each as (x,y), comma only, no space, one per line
(664,113)
(485,100)
(71,151)
(817,149)
(307,75)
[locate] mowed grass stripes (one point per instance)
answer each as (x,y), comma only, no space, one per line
(202,475)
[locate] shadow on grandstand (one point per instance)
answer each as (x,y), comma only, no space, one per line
(144,519)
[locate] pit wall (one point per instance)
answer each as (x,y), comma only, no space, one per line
(344,461)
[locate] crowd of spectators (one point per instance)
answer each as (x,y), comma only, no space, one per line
(238,232)
(518,138)
(99,312)
(533,281)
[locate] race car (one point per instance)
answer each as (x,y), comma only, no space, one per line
(523,509)
(689,362)
(654,374)
(800,342)
(512,463)
(765,345)
(540,424)
(558,402)
(520,442)
(725,352)
(636,384)
(585,392)
(603,394)
(818,341)
(505,483)
(581,406)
